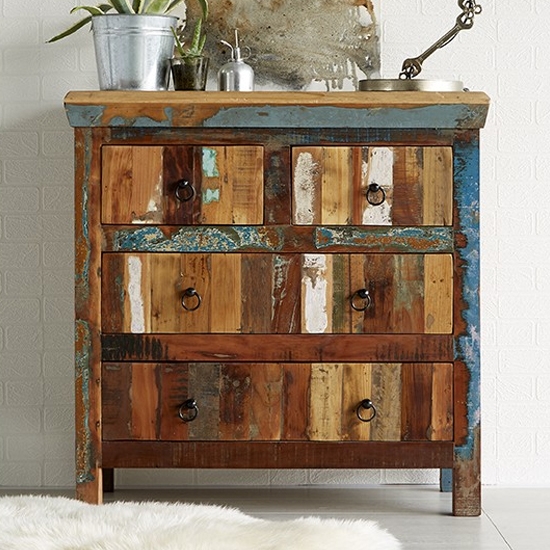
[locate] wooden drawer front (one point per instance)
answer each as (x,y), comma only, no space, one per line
(318,402)
(146,185)
(332,185)
(277,293)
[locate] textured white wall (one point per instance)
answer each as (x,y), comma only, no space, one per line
(505,54)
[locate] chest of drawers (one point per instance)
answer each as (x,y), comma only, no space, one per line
(277,280)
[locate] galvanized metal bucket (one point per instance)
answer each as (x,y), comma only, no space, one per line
(133,51)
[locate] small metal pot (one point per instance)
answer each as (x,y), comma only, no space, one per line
(132,51)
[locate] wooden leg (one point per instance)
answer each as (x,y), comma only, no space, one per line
(446,480)
(91,491)
(467,480)
(108,480)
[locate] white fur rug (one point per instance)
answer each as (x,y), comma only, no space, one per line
(56,523)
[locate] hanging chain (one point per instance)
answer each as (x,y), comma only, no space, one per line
(413,66)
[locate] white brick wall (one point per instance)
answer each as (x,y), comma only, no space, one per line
(505,54)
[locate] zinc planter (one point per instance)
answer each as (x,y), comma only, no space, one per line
(133,51)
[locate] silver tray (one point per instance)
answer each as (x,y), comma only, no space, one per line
(411,85)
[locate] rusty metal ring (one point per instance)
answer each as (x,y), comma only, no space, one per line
(361,300)
(373,191)
(184,191)
(366,404)
(190,406)
(191,293)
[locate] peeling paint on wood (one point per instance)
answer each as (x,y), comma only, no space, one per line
(210,162)
(405,239)
(315,294)
(199,239)
(85,452)
(304,189)
(279,277)
(398,110)
(467,347)
(378,170)
(135,296)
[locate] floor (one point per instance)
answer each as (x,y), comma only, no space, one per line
(417,515)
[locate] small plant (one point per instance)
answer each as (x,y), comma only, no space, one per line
(131,7)
(196,46)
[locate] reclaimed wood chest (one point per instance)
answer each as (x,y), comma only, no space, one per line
(277,280)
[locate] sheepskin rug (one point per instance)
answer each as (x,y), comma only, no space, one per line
(57,523)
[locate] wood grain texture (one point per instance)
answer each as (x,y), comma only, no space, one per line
(268,109)
(278,347)
(88,418)
(261,454)
(417,358)
(140,184)
(277,401)
(438,293)
(251,293)
(331,186)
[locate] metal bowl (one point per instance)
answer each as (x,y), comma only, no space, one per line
(411,85)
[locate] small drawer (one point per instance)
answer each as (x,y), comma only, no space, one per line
(182,185)
(277,293)
(273,401)
(399,186)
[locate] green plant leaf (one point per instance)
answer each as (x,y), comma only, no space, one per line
(94,10)
(204,7)
(71,30)
(122,6)
(156,7)
(179,45)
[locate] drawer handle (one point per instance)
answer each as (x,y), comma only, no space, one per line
(192,296)
(188,410)
(366,405)
(184,191)
(375,194)
(361,300)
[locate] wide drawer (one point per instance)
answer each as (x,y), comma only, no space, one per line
(407,186)
(273,401)
(182,184)
(277,293)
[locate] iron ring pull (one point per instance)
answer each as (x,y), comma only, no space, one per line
(185,191)
(366,405)
(361,300)
(375,194)
(191,293)
(188,410)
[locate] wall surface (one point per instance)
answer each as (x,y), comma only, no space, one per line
(505,54)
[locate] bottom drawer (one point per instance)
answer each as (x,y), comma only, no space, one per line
(277,402)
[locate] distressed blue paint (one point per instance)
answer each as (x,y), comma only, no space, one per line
(94,116)
(322,116)
(406,239)
(210,195)
(210,163)
(82,276)
(467,346)
(199,239)
(83,376)
(85,115)
(298,116)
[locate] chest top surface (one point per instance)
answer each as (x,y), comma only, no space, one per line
(415,110)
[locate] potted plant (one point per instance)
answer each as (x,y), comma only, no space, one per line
(189,65)
(133,41)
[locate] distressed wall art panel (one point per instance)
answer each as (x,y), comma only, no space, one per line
(294,42)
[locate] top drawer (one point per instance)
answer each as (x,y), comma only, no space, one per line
(372,185)
(182,185)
